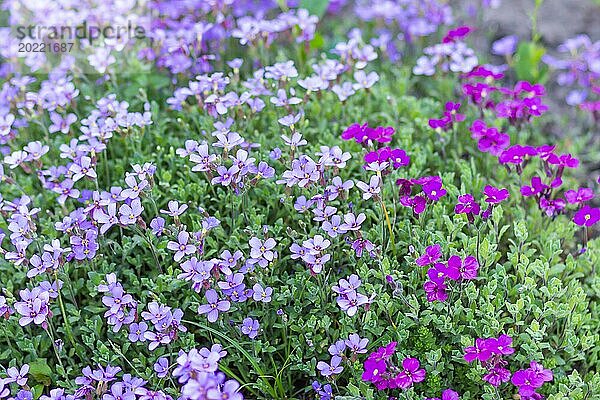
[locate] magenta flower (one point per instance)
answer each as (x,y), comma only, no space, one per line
(501,345)
(410,374)
(440,271)
(467,268)
(540,372)
(579,196)
(431,255)
(467,205)
(382,134)
(552,207)
(495,195)
(441,124)
(496,376)
(478,352)
(587,216)
(527,382)
(435,291)
(214,306)
(447,394)
(433,189)
(373,369)
(537,187)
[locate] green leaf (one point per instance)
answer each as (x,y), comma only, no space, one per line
(40,371)
(317,42)
(315,7)
(528,62)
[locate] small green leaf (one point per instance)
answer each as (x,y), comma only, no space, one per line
(315,7)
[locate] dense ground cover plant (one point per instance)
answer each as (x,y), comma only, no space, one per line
(272,201)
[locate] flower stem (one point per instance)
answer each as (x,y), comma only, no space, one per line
(389,225)
(68,329)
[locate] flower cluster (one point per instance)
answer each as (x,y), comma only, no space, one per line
(380,369)
(530,379)
(455,269)
(452,55)
(349,299)
(449,119)
(578,70)
(431,191)
(490,352)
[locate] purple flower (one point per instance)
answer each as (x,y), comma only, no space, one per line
(356,344)
(261,252)
(431,255)
(579,196)
(364,80)
(337,349)
(175,210)
(229,391)
(86,246)
(181,247)
(261,294)
(587,216)
(496,376)
(467,205)
(19,376)
(134,188)
(333,368)
(478,352)
(82,168)
(350,301)
(161,367)
(60,123)
(137,330)
(214,305)
(372,189)
(505,46)
(128,214)
(495,195)
(226,176)
(250,327)
(158,226)
(118,391)
(410,374)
